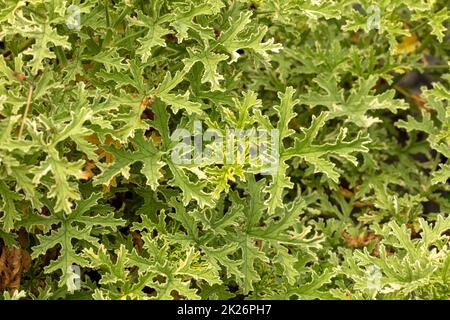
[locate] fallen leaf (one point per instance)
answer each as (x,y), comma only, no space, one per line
(408,44)
(13,262)
(87,173)
(345,192)
(137,241)
(363,240)
(156,138)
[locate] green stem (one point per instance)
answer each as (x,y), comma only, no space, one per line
(418,27)
(24,45)
(424,44)
(61,56)
(108,23)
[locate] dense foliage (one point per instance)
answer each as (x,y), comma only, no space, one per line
(94,206)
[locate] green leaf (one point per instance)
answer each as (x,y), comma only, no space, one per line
(68,231)
(316,154)
(191,190)
(210,63)
(60,187)
(153,38)
(145,152)
(43,34)
(235,38)
(8,208)
(442,175)
(183,20)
